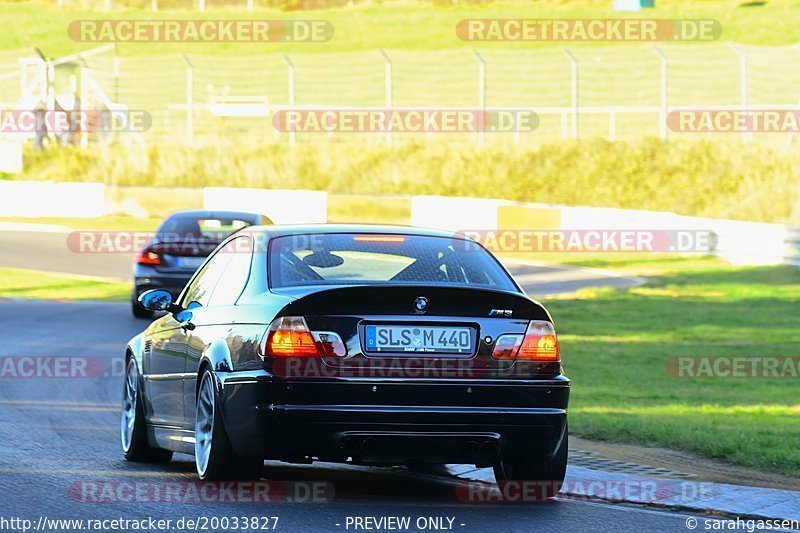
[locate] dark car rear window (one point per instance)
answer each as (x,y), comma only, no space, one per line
(201,227)
(350,258)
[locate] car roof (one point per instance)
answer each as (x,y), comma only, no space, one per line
(212,213)
(379,229)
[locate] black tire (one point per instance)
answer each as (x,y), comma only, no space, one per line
(136,447)
(139,311)
(223,462)
(549,472)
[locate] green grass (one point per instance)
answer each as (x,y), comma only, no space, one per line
(393,25)
(35,284)
(616,344)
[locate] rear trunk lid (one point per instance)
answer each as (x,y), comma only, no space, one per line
(388,333)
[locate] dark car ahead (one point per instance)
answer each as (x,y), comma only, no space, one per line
(370,345)
(180,245)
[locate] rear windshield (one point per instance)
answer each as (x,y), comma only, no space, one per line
(351,259)
(199,227)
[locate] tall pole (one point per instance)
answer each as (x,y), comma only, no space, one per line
(481,96)
(189,101)
(746,135)
(574,64)
(290,65)
(662,125)
(387,78)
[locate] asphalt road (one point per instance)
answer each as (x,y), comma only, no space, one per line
(60,436)
(49,251)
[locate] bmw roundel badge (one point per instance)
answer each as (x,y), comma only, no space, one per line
(421,304)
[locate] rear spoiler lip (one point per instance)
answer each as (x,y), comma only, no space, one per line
(287,310)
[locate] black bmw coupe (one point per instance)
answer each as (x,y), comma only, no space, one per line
(373,345)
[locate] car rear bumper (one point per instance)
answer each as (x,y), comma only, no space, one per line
(394,421)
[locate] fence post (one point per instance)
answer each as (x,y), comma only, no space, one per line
(746,135)
(116,73)
(85,80)
(290,65)
(612,126)
(481,96)
(387,76)
(662,126)
(189,101)
(574,64)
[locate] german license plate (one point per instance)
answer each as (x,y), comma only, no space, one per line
(189,262)
(419,339)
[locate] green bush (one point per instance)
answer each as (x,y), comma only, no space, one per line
(728,180)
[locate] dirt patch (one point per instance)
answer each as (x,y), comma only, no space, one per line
(700,468)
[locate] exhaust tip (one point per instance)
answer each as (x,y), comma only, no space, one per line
(471,449)
(488,449)
(351,445)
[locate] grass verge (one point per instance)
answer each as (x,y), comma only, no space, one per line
(36,284)
(616,345)
(699,179)
(386,24)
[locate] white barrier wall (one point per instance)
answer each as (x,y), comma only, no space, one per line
(455,214)
(281,206)
(51,199)
(740,242)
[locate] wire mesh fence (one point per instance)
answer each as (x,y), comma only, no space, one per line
(608,91)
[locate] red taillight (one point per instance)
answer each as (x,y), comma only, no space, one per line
(148,258)
(538,344)
(379,238)
(289,336)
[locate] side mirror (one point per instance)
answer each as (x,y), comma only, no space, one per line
(157,300)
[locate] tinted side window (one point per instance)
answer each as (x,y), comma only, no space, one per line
(233,279)
(203,285)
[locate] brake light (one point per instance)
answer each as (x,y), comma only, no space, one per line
(540,342)
(148,258)
(289,336)
(379,238)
